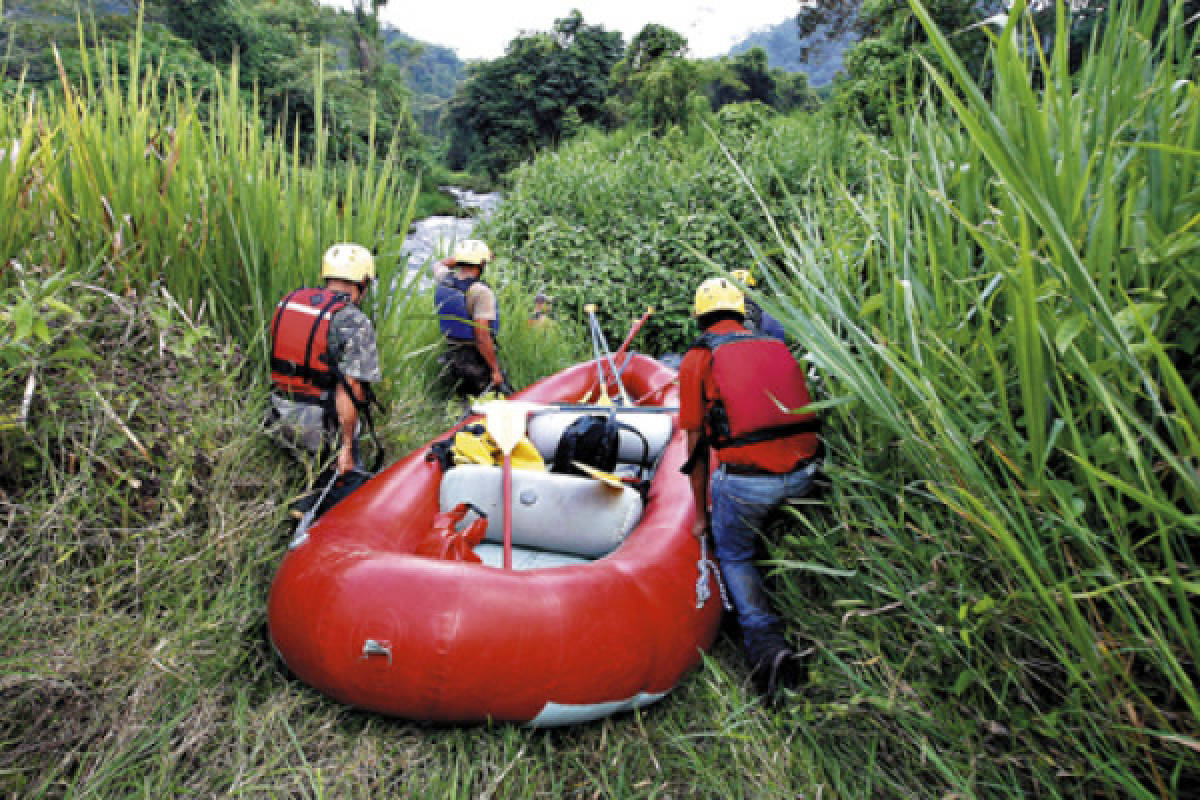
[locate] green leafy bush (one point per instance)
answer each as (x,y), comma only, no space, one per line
(632,220)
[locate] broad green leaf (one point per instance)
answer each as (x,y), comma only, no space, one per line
(23,318)
(1068,330)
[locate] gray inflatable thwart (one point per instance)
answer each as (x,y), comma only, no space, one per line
(559,513)
(546,429)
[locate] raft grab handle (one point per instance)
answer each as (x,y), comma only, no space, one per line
(377,647)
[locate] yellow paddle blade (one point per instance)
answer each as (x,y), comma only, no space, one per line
(526,456)
(471,449)
(607,478)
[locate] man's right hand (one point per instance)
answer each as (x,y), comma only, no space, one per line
(345,461)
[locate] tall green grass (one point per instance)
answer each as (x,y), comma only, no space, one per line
(1005,312)
(120,179)
(137,186)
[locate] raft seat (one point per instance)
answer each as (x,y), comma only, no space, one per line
(567,515)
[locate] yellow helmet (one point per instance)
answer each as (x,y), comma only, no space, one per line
(744,277)
(472,252)
(718,294)
(350,262)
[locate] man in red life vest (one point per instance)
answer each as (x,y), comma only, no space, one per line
(732,384)
(324,357)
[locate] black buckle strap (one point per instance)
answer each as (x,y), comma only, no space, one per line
(743,469)
(812,425)
(364,410)
(322,379)
(700,453)
(306,399)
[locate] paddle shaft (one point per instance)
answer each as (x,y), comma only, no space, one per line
(603,398)
(508,509)
(506,424)
(598,334)
(637,326)
(310,516)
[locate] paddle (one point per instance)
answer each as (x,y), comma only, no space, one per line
(633,331)
(607,478)
(506,423)
(598,336)
(301,534)
(604,399)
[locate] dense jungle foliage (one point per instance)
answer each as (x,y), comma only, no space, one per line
(996,292)
(378,86)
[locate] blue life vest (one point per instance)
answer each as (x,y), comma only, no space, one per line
(772,328)
(450,301)
(759,321)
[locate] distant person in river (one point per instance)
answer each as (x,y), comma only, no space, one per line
(324,360)
(734,391)
(470,320)
(757,320)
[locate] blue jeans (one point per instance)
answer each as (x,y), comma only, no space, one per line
(740,505)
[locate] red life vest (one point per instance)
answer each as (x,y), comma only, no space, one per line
(301,367)
(759,385)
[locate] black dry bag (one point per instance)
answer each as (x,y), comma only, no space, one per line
(591,440)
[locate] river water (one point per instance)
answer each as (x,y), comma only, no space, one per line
(435,236)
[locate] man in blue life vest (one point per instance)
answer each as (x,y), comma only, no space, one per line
(732,384)
(324,359)
(469,319)
(757,320)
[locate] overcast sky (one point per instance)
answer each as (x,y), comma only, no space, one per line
(483,28)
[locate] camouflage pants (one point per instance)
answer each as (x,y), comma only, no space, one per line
(303,430)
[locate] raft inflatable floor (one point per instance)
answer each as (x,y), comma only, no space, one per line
(526,557)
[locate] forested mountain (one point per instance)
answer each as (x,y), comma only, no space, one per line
(433,74)
(817,53)
(278,45)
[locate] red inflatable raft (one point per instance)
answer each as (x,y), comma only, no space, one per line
(610,601)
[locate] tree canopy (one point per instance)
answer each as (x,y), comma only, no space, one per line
(544,86)
(547,86)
